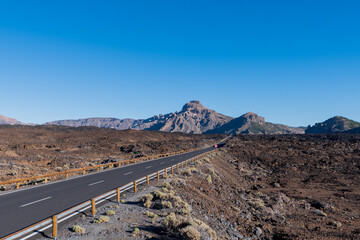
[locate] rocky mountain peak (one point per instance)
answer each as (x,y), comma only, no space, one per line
(253,117)
(192,105)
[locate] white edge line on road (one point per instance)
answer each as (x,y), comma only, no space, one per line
(88,174)
(148,167)
(127,173)
(40,200)
(95,183)
(77,212)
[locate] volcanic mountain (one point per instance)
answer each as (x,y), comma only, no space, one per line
(7,120)
(193,118)
(334,125)
(251,123)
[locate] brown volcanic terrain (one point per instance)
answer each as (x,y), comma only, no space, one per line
(34,150)
(282,187)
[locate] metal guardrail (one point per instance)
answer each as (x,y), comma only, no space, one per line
(84,170)
(60,217)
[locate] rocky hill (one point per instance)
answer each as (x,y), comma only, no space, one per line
(7,120)
(251,123)
(333,125)
(193,118)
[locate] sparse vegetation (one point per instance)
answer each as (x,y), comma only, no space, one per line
(208,179)
(102,219)
(110,213)
(78,229)
(188,227)
(166,204)
(135,231)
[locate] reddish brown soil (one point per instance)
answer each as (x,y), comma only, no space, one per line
(28,151)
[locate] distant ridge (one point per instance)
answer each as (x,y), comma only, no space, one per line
(193,118)
(335,124)
(10,121)
(251,123)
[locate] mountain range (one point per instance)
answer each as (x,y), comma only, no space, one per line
(196,119)
(10,121)
(193,118)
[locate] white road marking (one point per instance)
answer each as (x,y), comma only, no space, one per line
(128,173)
(148,167)
(162,162)
(96,183)
(35,202)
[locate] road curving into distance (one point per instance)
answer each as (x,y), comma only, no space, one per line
(22,208)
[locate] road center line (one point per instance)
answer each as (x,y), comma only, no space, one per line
(162,162)
(35,202)
(128,173)
(95,183)
(148,167)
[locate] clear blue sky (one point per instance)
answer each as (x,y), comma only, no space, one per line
(293,62)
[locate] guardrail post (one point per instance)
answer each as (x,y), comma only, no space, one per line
(67,175)
(118,194)
(172,169)
(135,186)
(54,227)
(45,180)
(158,175)
(165,170)
(83,171)
(18,185)
(98,169)
(186,163)
(93,209)
(148,180)
(182,164)
(128,162)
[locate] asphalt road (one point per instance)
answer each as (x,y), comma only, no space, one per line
(22,208)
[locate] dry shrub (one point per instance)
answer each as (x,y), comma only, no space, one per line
(208,179)
(110,213)
(167,185)
(177,182)
(103,219)
(146,199)
(189,228)
(166,204)
(190,232)
(78,229)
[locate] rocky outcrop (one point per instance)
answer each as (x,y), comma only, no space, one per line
(251,123)
(194,118)
(333,125)
(7,120)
